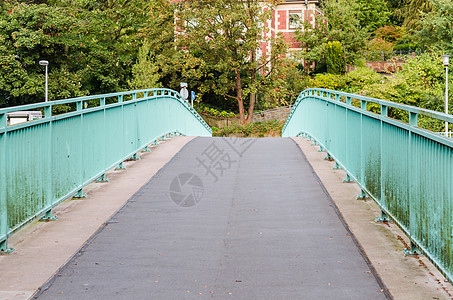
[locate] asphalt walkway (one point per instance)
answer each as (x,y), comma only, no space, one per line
(229,219)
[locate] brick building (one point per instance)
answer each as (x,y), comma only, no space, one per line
(287,16)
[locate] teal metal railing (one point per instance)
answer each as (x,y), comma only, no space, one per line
(407,170)
(45,161)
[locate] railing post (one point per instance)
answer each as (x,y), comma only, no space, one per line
(337,97)
(3,120)
(384,113)
(384,110)
(363,104)
(48,216)
(3,194)
(104,116)
(348,100)
(413,119)
(80,193)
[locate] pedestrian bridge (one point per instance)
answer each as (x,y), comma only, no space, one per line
(228,217)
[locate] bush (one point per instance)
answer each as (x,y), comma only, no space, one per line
(420,83)
(199,107)
(328,81)
(335,58)
(256,129)
(360,78)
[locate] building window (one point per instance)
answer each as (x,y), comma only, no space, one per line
(294,20)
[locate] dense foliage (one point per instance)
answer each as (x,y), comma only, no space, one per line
(91,47)
(339,23)
(223,37)
(107,46)
(420,83)
(334,58)
(256,129)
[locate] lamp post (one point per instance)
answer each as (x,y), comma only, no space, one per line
(45,63)
(446,61)
(306,10)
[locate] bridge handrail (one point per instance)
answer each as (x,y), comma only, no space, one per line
(47,160)
(405,169)
(156,92)
(383,103)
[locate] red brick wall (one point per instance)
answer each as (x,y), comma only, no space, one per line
(282,19)
(289,37)
(273,19)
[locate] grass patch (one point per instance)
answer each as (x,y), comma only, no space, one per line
(258,129)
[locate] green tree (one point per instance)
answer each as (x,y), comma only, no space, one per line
(221,43)
(145,71)
(412,12)
(91,46)
(339,23)
(29,33)
(437,26)
(420,83)
(373,14)
(334,58)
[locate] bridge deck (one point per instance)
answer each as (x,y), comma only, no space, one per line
(261,227)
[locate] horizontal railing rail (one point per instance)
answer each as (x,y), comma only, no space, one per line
(47,160)
(406,169)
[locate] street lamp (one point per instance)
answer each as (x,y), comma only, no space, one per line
(45,63)
(306,11)
(445,61)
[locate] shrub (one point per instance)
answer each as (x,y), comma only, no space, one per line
(335,58)
(256,129)
(328,81)
(360,78)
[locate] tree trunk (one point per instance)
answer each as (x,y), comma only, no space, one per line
(239,97)
(252,97)
(251,108)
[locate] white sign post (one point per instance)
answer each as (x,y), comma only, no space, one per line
(192,96)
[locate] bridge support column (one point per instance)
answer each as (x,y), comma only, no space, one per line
(135,157)
(412,251)
(120,167)
(102,178)
(362,195)
(382,218)
(4,248)
(80,194)
(348,179)
(146,149)
(48,216)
